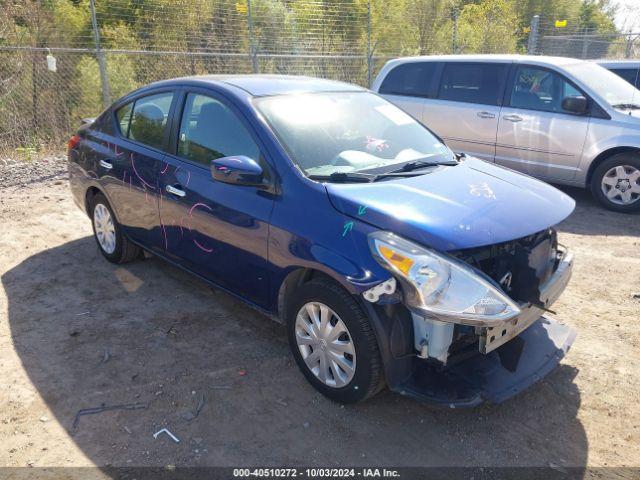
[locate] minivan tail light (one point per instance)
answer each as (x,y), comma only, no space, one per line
(73,142)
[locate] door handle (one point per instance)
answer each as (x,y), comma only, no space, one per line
(175,191)
(486,115)
(106,164)
(513,118)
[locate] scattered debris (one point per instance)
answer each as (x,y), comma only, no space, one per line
(164,430)
(221,387)
(74,333)
(127,429)
(636,296)
(305,424)
(242,373)
(83,313)
(281,402)
(106,408)
(44,419)
(106,355)
(188,416)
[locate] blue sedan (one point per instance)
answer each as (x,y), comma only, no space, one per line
(391,260)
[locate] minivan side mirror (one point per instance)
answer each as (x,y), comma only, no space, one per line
(237,170)
(578,105)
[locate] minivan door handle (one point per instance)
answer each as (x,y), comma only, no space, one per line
(513,118)
(486,114)
(106,164)
(175,191)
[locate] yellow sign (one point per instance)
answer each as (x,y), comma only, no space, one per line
(526,29)
(561,23)
(241,7)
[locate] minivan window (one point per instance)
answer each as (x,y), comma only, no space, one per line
(629,74)
(209,130)
(540,89)
(615,90)
(327,133)
(149,119)
(410,79)
(472,82)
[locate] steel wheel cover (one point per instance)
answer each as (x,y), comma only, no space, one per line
(105,230)
(325,344)
(621,184)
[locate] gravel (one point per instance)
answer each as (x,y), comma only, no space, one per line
(19,173)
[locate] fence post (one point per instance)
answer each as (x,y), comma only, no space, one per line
(252,45)
(369,52)
(629,47)
(104,78)
(532,44)
(454,40)
(585,43)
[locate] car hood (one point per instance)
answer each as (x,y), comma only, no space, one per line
(471,204)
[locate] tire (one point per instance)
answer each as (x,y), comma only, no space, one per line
(366,378)
(626,167)
(121,250)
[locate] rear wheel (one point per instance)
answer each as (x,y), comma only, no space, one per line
(616,182)
(113,245)
(333,342)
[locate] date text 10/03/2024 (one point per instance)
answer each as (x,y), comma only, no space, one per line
(316,472)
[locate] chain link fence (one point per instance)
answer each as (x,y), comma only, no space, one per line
(51,79)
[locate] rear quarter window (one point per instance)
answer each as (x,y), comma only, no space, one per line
(410,79)
(472,82)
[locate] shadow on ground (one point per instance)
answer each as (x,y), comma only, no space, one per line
(590,218)
(91,333)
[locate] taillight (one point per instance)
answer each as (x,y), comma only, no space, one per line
(73,142)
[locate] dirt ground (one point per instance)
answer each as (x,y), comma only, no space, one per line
(77,332)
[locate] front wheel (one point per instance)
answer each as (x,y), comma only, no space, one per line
(616,183)
(333,342)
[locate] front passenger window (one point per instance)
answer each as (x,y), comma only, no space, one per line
(540,89)
(209,130)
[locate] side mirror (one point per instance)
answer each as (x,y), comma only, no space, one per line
(237,170)
(578,105)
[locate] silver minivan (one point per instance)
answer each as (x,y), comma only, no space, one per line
(559,119)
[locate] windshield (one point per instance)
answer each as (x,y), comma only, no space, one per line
(611,87)
(346,132)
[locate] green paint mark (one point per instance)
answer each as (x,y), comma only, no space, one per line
(348,226)
(362,210)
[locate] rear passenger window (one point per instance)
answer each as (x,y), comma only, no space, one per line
(410,79)
(209,130)
(472,82)
(148,119)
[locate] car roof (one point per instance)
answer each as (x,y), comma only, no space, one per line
(618,63)
(533,59)
(264,85)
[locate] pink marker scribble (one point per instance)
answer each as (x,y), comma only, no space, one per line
(133,165)
(164,170)
(115,149)
(375,144)
(198,244)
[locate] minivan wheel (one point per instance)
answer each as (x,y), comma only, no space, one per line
(333,342)
(616,182)
(108,234)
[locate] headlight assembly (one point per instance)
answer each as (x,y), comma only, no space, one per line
(440,286)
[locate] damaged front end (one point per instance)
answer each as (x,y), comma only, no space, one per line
(472,325)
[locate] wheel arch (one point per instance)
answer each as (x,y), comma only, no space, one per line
(293,279)
(89,195)
(602,156)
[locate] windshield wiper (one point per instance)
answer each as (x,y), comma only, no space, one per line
(415,165)
(344,177)
(627,106)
